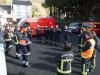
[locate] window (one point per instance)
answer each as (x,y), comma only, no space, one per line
(18,12)
(9,12)
(26,8)
(26,13)
(19,7)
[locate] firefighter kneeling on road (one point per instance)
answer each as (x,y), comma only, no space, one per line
(87,52)
(24,40)
(64,61)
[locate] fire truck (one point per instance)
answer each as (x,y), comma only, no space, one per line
(33,22)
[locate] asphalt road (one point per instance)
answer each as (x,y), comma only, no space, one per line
(43,60)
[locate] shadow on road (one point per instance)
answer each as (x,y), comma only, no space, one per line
(76,73)
(48,53)
(44,66)
(13,62)
(11,56)
(55,49)
(20,73)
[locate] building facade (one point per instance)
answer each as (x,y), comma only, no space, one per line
(21,9)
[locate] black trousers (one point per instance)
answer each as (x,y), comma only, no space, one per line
(18,49)
(25,58)
(28,48)
(87,63)
(39,37)
(8,43)
(24,51)
(30,37)
(57,38)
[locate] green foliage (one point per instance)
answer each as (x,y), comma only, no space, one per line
(76,8)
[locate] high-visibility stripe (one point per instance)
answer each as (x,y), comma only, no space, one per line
(7,39)
(83,68)
(27,53)
(19,55)
(84,73)
(62,63)
(63,72)
(16,39)
(3,70)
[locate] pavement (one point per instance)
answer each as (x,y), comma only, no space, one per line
(43,60)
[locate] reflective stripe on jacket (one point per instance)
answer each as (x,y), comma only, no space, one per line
(61,68)
(89,52)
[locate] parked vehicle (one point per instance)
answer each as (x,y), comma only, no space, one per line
(96,27)
(47,21)
(75,27)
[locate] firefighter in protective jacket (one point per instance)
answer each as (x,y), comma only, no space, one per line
(65,59)
(88,50)
(24,40)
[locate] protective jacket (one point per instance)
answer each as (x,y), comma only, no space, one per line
(88,49)
(64,62)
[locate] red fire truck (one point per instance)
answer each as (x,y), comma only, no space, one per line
(50,21)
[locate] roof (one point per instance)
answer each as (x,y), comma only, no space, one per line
(17,2)
(6,7)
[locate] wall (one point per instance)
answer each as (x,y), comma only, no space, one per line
(20,11)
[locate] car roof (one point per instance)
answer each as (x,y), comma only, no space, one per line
(91,23)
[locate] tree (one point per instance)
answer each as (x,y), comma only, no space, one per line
(73,9)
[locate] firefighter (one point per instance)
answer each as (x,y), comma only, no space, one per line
(17,45)
(38,32)
(96,38)
(29,33)
(66,34)
(6,29)
(8,40)
(24,40)
(46,32)
(57,34)
(65,59)
(87,51)
(17,31)
(81,38)
(51,33)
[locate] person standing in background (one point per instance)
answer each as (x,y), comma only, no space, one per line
(38,33)
(57,34)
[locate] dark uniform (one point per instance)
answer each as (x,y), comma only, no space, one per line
(51,33)
(46,32)
(38,33)
(29,33)
(82,38)
(57,35)
(17,32)
(86,54)
(17,45)
(66,34)
(65,59)
(24,40)
(8,41)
